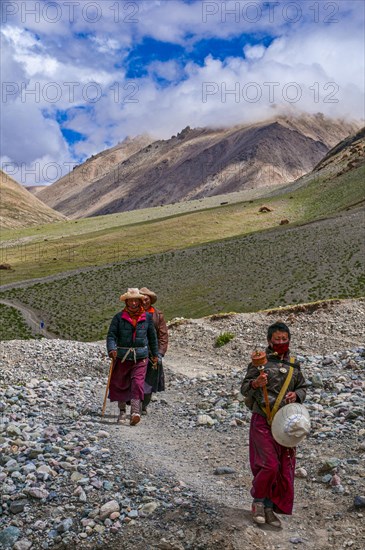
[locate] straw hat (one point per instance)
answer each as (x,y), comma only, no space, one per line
(291,425)
(150,293)
(132,293)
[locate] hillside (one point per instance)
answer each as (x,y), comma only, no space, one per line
(346,155)
(205,260)
(92,170)
(199,163)
(34,189)
(19,208)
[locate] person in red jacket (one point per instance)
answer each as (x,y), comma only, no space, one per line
(131,337)
(155,379)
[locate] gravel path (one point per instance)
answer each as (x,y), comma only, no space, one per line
(71,479)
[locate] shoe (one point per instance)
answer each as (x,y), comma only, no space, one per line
(121,417)
(135,418)
(258,512)
(144,412)
(271,518)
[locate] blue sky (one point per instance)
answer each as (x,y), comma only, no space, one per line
(80,77)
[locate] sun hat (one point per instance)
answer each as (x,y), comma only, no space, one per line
(150,293)
(132,293)
(291,425)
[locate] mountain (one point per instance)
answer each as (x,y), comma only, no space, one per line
(346,155)
(19,208)
(92,170)
(198,163)
(34,189)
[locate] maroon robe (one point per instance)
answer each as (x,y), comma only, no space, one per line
(272,465)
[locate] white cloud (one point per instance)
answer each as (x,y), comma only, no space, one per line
(254,52)
(321,65)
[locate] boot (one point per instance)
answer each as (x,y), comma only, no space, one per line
(122,411)
(258,512)
(146,401)
(135,411)
(271,518)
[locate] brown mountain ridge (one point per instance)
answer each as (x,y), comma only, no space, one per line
(19,208)
(196,163)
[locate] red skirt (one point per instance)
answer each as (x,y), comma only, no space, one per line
(127,380)
(272,465)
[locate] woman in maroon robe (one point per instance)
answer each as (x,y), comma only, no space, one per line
(272,465)
(130,337)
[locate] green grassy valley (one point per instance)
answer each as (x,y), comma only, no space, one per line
(66,246)
(200,257)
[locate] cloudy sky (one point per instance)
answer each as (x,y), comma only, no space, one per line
(80,76)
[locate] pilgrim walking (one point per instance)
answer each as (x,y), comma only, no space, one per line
(130,337)
(155,378)
(274,382)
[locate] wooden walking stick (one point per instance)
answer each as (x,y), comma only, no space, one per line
(107,386)
(259,360)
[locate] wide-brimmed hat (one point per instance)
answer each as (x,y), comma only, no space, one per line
(150,293)
(132,293)
(291,425)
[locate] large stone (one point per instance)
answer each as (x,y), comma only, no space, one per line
(149,507)
(12,429)
(36,492)
(65,525)
(9,536)
(205,420)
(17,506)
(222,470)
(108,508)
(359,502)
(23,544)
(329,465)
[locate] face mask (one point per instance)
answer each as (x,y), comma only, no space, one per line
(280,348)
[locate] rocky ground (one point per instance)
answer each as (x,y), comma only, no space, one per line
(180,479)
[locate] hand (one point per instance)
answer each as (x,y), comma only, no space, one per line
(290,397)
(154,362)
(260,381)
(113,354)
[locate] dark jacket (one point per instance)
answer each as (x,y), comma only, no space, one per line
(275,381)
(122,335)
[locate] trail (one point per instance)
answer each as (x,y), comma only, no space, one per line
(162,445)
(30,317)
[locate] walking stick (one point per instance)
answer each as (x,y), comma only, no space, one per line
(107,386)
(259,360)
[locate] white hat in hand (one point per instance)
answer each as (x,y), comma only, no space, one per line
(291,425)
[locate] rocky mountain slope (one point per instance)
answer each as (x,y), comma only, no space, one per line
(75,184)
(180,480)
(199,162)
(19,208)
(345,156)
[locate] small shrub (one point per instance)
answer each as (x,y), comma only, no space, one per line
(223,339)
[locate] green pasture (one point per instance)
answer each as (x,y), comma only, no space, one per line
(67,246)
(263,270)
(214,259)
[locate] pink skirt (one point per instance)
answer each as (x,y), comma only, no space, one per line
(127,380)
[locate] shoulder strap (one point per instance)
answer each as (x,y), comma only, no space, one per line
(281,393)
(285,386)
